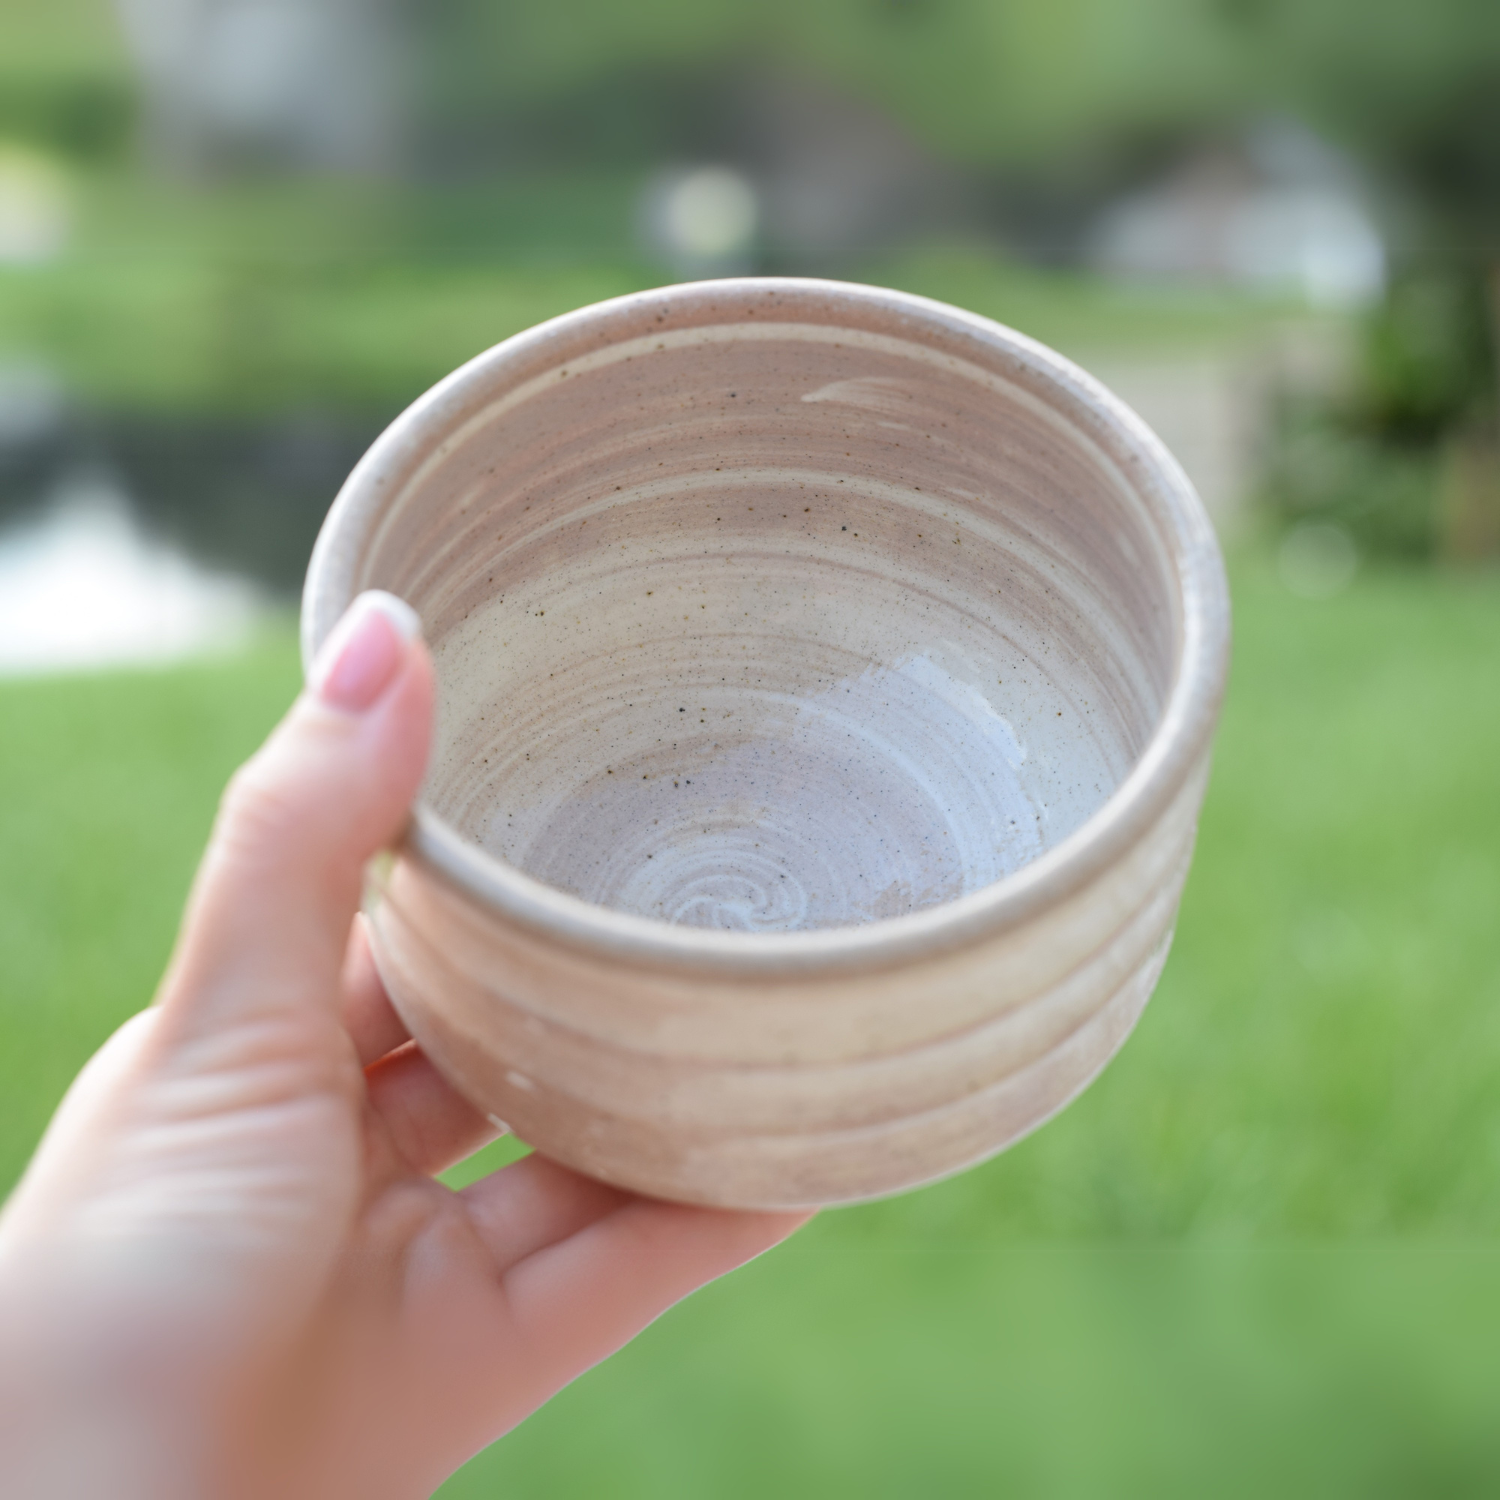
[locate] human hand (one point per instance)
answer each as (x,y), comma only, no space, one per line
(228,1270)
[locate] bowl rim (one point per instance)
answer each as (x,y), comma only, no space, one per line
(1178,742)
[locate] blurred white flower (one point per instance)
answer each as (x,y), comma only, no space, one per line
(704,222)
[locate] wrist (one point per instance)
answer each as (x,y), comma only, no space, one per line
(87,1406)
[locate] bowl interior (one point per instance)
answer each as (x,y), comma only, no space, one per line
(770,626)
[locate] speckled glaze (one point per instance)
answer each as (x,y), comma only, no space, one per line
(826,686)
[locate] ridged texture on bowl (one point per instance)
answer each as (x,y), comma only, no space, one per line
(801,1091)
(826,683)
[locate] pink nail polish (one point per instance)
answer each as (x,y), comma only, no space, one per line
(364,651)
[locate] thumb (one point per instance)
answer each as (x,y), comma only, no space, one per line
(268,921)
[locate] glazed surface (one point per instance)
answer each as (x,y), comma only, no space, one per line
(769,627)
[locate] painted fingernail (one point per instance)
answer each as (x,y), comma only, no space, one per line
(364,651)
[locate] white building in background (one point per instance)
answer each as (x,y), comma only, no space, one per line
(1279,210)
(312,83)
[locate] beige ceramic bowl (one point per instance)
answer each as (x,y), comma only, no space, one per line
(827,678)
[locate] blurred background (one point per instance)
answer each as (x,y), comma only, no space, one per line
(1262,1254)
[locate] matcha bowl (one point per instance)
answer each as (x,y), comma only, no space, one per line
(827,680)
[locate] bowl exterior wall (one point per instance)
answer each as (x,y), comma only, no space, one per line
(748,1093)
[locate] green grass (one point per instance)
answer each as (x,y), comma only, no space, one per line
(953,1371)
(110,784)
(242,338)
(1323,1053)
(340,294)
(293,292)
(1081,314)
(1261,1255)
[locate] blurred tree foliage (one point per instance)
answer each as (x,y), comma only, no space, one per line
(1052,97)
(1081,95)
(1408,460)
(1051,87)
(65,83)
(988,83)
(1015,81)
(982,81)
(1416,88)
(1405,459)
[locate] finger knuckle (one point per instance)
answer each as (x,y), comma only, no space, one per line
(258,813)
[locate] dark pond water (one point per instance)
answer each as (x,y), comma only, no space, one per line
(246,495)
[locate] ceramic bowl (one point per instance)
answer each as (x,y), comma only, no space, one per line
(826,685)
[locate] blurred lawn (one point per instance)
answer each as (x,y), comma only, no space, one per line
(341,295)
(1261,1255)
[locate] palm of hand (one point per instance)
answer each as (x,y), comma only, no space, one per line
(236,1207)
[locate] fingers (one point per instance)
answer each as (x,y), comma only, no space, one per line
(586,1266)
(430,1126)
(579,1300)
(270,914)
(534,1203)
(369,1016)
